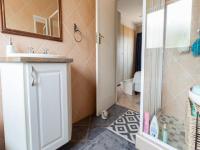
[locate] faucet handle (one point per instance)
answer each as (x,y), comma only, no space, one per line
(31,50)
(45,51)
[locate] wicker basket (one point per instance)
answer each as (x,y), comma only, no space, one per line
(191,138)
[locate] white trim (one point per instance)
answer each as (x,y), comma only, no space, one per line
(97,59)
(116,46)
(49,20)
(157,141)
(54,13)
(142,66)
(142,143)
(41,20)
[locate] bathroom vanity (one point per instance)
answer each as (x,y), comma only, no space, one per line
(36,99)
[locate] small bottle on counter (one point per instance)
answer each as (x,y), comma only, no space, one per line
(10,49)
(165,134)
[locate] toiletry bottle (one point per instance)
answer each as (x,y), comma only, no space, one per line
(146,122)
(154,128)
(10,48)
(194,110)
(165,134)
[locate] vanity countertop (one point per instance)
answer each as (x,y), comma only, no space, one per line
(24,59)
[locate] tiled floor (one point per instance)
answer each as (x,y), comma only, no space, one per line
(129,101)
(91,134)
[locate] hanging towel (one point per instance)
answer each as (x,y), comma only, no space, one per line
(196,48)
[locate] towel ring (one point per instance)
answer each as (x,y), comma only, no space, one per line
(77,34)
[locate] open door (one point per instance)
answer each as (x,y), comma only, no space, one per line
(105,54)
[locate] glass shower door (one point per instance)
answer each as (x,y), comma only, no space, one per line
(153,58)
(169,69)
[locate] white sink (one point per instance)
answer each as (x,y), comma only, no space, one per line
(35,55)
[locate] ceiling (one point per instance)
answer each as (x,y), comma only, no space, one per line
(131,10)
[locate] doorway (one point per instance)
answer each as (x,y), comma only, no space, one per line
(118,54)
(118,65)
(128,53)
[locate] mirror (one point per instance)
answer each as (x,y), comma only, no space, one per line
(34,18)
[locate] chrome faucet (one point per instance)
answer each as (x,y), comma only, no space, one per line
(31,50)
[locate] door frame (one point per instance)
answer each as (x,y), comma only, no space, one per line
(142,55)
(97,55)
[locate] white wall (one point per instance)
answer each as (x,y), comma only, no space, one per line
(119,53)
(125,20)
(125,55)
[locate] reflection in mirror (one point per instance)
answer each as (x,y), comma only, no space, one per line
(40,25)
(54,24)
(39,17)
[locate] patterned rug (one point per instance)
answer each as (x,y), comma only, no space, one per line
(126,126)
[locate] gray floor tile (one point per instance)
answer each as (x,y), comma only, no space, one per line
(94,132)
(114,112)
(84,122)
(109,141)
(91,134)
(73,146)
(79,133)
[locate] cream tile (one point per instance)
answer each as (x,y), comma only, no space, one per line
(129,101)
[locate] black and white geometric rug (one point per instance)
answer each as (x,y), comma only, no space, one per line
(126,126)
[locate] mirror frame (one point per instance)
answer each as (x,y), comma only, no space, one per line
(4,29)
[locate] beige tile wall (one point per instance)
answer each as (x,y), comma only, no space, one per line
(195,20)
(81,12)
(129,49)
(181,71)
(126,45)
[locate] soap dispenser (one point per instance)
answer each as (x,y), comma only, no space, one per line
(154,128)
(10,48)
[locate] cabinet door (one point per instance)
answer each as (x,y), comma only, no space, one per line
(49,106)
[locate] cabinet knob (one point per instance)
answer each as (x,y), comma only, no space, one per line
(33,75)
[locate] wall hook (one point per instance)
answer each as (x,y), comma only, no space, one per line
(77,34)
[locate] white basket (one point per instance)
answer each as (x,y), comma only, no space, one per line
(190,126)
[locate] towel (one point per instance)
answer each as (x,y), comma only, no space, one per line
(196,48)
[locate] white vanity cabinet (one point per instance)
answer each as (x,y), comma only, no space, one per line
(36,100)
